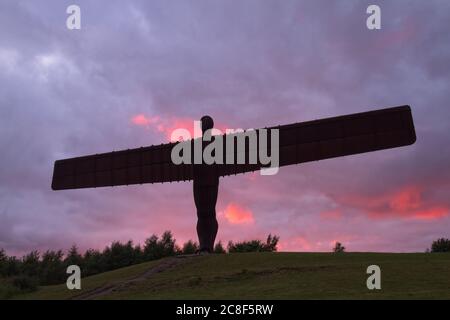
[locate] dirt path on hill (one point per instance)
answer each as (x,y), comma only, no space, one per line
(164,265)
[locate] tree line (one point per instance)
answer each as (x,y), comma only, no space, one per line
(48,268)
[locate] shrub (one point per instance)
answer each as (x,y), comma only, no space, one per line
(441,245)
(25,283)
(271,243)
(218,248)
(7,290)
(190,247)
(254,245)
(338,248)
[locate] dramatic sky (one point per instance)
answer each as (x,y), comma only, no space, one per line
(137,69)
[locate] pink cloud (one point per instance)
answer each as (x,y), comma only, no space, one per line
(407,202)
(236,214)
(143,120)
(432,213)
(331,215)
(168,125)
(163,125)
(295,244)
(406,32)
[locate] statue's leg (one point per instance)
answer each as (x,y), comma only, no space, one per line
(205,200)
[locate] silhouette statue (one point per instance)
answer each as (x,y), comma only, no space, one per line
(298,143)
(206,186)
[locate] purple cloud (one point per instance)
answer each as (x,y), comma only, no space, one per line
(251,64)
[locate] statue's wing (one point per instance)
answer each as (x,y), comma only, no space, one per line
(134,166)
(335,137)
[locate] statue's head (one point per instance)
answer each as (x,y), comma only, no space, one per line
(207,123)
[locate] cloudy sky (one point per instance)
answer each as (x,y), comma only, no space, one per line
(138,69)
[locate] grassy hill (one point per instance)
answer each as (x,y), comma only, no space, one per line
(267,276)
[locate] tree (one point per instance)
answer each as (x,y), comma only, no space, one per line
(120,255)
(441,245)
(168,244)
(3,256)
(338,248)
(137,254)
(52,270)
(151,249)
(93,262)
(156,249)
(13,267)
(73,257)
(190,247)
(271,243)
(30,265)
(3,262)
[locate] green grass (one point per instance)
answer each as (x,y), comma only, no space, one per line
(274,276)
